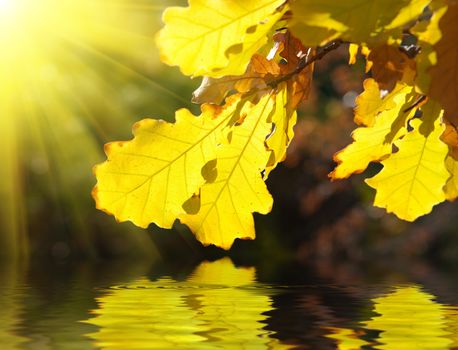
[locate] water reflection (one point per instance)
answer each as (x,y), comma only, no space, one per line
(347,339)
(218,305)
(409,318)
(10,307)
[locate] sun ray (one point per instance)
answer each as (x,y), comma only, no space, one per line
(66,68)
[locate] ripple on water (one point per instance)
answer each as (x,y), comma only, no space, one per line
(222,306)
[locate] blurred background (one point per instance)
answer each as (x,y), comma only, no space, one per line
(77,74)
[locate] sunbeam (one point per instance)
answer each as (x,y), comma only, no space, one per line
(74,74)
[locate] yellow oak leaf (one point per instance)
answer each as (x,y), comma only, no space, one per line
(216,38)
(428,34)
(450,137)
(284,120)
(412,179)
(444,74)
(369,103)
(362,22)
(451,187)
(148,179)
(234,188)
(352,52)
(374,143)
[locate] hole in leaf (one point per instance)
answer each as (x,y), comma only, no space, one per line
(228,137)
(251,30)
(209,171)
(192,205)
(233,50)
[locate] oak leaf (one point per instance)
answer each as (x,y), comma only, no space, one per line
(352,53)
(444,74)
(412,179)
(362,22)
(369,103)
(375,142)
(450,137)
(451,187)
(283,120)
(293,53)
(259,71)
(428,34)
(147,179)
(388,65)
(234,187)
(216,38)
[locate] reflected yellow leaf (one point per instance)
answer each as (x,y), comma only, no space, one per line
(218,306)
(409,318)
(347,339)
(11,308)
(451,325)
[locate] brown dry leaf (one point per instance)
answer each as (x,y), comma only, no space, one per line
(292,51)
(301,86)
(389,65)
(263,66)
(214,90)
(450,137)
(258,73)
(444,75)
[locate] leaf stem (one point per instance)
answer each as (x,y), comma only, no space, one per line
(304,62)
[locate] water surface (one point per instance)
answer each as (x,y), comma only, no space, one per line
(214,305)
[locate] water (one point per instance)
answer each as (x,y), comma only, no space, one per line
(215,305)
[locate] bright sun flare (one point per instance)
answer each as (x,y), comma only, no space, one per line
(6,6)
(62,63)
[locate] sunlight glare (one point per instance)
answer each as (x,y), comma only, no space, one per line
(63,65)
(6,7)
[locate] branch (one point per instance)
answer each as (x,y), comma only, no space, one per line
(304,62)
(419,101)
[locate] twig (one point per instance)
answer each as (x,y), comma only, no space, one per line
(304,62)
(419,100)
